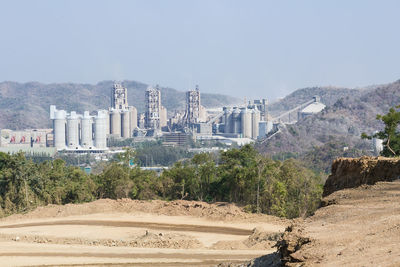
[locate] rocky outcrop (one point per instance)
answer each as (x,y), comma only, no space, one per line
(353,172)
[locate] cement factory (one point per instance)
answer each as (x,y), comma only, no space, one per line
(89,132)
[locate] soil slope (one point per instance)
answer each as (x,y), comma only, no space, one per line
(358,227)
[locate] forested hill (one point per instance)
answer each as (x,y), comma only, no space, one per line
(329,95)
(26,105)
(322,137)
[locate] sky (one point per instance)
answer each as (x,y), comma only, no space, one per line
(245,48)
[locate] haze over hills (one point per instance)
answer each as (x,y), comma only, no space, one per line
(26,105)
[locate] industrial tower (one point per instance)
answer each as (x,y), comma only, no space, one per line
(195,112)
(156,114)
(122,117)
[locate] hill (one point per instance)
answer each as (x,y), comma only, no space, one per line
(26,105)
(339,125)
(328,94)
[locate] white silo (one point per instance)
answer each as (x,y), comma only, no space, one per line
(100,135)
(236,121)
(73,130)
(246,123)
(86,139)
(133,119)
(125,123)
(255,117)
(115,122)
(59,128)
(228,120)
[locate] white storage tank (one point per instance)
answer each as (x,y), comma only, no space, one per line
(59,128)
(236,121)
(133,119)
(73,131)
(115,122)
(100,135)
(228,120)
(125,123)
(255,116)
(86,139)
(246,123)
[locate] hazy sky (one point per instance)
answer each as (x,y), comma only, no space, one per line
(245,48)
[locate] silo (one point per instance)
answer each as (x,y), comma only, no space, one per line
(255,117)
(108,131)
(73,130)
(59,128)
(115,125)
(86,141)
(228,120)
(246,123)
(133,119)
(100,135)
(125,123)
(236,121)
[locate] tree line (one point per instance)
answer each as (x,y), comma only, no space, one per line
(240,175)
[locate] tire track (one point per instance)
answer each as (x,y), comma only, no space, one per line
(147,225)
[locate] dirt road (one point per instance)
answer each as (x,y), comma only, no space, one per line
(122,233)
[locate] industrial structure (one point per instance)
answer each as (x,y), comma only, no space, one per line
(78,132)
(121,118)
(195,112)
(155,114)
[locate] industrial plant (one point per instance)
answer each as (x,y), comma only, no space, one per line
(89,132)
(77,132)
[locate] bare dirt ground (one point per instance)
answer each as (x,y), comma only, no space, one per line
(140,233)
(358,227)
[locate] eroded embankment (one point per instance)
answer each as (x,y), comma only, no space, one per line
(353,172)
(359,223)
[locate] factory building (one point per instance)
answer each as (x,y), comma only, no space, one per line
(78,132)
(121,119)
(24,138)
(156,114)
(241,122)
(195,112)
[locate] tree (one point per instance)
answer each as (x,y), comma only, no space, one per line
(390,135)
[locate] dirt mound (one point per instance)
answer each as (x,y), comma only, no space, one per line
(216,211)
(358,227)
(353,172)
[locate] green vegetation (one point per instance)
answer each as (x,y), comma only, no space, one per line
(390,135)
(242,176)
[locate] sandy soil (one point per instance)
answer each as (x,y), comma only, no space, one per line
(143,233)
(359,227)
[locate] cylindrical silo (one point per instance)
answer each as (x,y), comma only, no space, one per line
(108,131)
(236,121)
(133,118)
(255,117)
(125,123)
(59,129)
(86,141)
(115,125)
(246,123)
(228,120)
(100,136)
(73,130)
